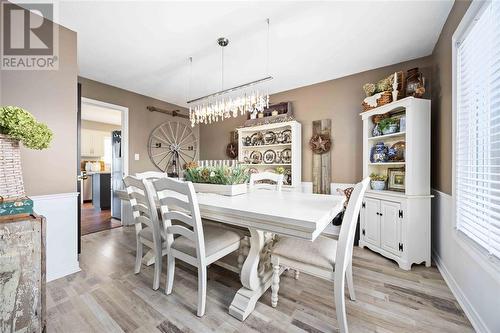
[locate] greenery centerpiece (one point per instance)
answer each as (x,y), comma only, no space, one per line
(218,179)
(18,125)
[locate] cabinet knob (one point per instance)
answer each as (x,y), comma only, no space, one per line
(378,213)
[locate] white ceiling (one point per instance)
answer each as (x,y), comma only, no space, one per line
(101,114)
(144,46)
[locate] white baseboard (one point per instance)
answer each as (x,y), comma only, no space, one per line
(469,310)
(60,211)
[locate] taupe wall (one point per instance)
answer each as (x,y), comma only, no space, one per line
(339,100)
(98,126)
(51,97)
(441,101)
(141,121)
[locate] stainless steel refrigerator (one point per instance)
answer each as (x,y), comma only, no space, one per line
(116,174)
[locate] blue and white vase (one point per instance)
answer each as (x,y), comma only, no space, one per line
(379,153)
(377,185)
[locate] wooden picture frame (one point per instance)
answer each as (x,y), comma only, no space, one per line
(396,179)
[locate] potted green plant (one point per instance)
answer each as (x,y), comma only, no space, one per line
(377,182)
(18,125)
(388,125)
(221,180)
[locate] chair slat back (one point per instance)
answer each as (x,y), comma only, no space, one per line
(266,175)
(151,175)
(140,201)
(178,202)
(348,228)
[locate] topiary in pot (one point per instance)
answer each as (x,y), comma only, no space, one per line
(18,125)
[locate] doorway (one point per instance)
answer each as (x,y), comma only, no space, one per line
(103,162)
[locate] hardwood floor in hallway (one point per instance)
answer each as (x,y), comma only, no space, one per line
(94,220)
(106,296)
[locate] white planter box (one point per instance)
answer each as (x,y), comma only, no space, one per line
(221,189)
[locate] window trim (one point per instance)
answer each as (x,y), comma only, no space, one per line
(468,21)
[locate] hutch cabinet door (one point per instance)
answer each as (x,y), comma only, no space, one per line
(390,224)
(372,221)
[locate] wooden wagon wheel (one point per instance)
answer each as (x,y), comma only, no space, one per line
(172,140)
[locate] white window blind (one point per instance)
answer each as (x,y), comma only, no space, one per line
(477,154)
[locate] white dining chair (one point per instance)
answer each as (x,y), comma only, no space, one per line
(142,201)
(152,175)
(198,245)
(265,176)
(325,258)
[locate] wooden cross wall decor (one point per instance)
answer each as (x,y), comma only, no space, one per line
(320,144)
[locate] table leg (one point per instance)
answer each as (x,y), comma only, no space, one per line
(254,283)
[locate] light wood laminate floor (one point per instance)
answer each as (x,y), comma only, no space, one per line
(106,296)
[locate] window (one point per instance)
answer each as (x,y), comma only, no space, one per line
(107,150)
(477,131)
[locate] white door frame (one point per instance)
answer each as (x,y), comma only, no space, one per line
(124,125)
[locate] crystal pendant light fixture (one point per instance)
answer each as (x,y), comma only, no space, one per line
(239,100)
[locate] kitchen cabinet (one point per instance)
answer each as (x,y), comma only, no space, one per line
(101,190)
(93,143)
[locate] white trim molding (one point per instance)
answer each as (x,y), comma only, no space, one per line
(472,279)
(464,302)
(124,127)
(60,211)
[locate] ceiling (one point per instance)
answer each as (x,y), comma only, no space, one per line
(101,114)
(144,46)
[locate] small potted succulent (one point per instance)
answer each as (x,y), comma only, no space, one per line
(18,125)
(388,125)
(377,182)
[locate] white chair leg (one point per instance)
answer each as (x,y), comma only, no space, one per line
(275,286)
(157,272)
(170,274)
(138,257)
(202,290)
(340,305)
(350,283)
(297,273)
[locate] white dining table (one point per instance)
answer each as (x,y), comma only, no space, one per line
(286,213)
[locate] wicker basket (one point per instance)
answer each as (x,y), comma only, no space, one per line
(385,98)
(11,176)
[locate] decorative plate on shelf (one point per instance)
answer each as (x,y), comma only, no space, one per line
(397,152)
(257,139)
(286,156)
(287,136)
(270,138)
(269,156)
(256,157)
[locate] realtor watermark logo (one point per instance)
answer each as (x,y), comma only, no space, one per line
(29,38)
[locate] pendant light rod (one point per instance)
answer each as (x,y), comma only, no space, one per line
(225,91)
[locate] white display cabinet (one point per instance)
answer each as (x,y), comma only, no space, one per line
(257,145)
(396,223)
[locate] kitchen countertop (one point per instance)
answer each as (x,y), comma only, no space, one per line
(90,173)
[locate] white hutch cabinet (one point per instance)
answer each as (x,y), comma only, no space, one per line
(396,224)
(272,147)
